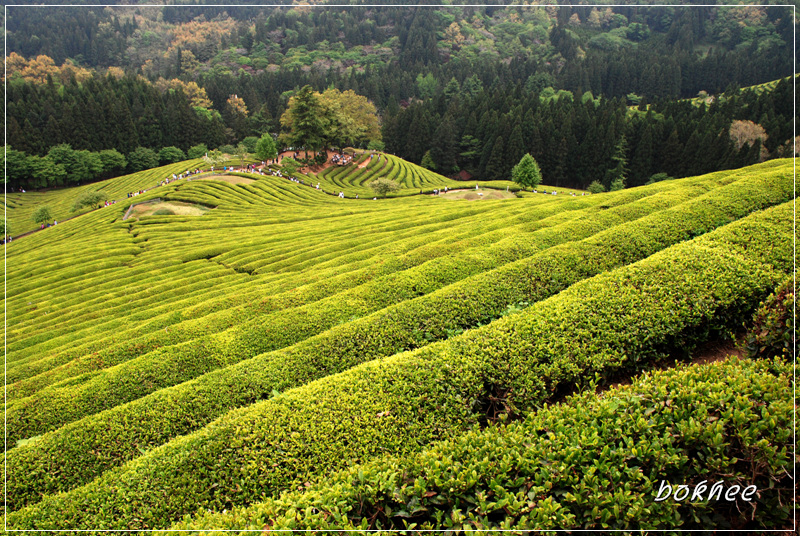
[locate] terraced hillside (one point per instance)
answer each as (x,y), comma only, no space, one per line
(194,371)
(354,179)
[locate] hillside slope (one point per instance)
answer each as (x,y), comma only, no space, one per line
(173,365)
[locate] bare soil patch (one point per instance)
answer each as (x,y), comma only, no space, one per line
(477,195)
(175,207)
(230,179)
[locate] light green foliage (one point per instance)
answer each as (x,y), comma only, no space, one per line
(176,373)
(265,148)
(427,161)
(215,158)
(616,185)
(42,214)
(290,165)
(596,187)
(527,173)
(382,186)
(241,153)
(606,457)
(89,198)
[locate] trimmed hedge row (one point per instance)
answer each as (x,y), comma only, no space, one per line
(54,406)
(288,246)
(100,354)
(398,404)
(594,462)
(303,363)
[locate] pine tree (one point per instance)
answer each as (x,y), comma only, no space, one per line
(496,163)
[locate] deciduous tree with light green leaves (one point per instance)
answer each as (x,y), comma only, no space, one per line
(89,198)
(42,214)
(384,186)
(527,172)
(265,148)
(214,158)
(290,165)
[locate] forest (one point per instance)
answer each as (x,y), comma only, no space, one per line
(476,86)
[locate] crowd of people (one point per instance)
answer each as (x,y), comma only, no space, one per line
(341,159)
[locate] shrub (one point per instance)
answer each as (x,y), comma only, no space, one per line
(596,187)
(163,212)
(658,177)
(142,158)
(169,155)
(198,151)
(89,198)
(772,331)
(606,457)
(632,315)
(227,149)
(406,325)
(616,185)
(383,187)
(42,214)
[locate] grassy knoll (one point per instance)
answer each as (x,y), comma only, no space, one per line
(164,368)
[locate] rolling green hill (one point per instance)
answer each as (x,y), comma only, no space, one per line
(223,370)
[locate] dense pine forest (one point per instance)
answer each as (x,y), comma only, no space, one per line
(459,89)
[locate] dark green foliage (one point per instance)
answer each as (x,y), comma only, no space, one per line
(114,162)
(658,177)
(142,158)
(772,333)
(250,143)
(198,151)
(169,155)
(307,128)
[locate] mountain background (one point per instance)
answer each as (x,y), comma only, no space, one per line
(473,88)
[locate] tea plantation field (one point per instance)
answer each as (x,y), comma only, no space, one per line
(288,359)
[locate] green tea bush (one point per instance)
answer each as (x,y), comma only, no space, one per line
(411,324)
(772,332)
(627,317)
(54,406)
(593,462)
